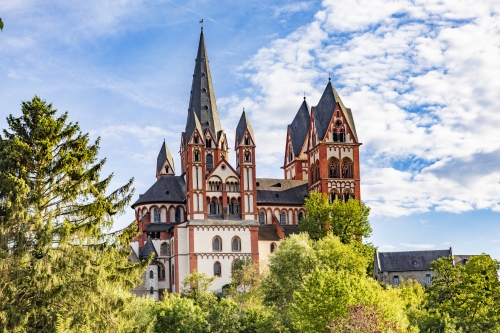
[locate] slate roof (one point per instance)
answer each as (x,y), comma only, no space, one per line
(281,191)
(202,99)
(323,112)
(268,233)
(243,125)
(164,155)
(408,261)
(165,189)
(192,123)
(300,127)
(290,230)
(461,258)
(148,249)
(159,226)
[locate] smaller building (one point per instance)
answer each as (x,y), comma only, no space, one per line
(393,267)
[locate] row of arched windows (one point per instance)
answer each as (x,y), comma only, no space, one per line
(283,217)
(335,169)
(156,218)
(235,244)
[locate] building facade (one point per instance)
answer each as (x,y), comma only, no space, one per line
(210,213)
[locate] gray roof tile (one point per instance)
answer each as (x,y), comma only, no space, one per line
(268,233)
(164,155)
(243,125)
(165,189)
(300,127)
(148,249)
(409,260)
(281,191)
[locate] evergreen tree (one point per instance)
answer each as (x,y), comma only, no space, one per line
(60,267)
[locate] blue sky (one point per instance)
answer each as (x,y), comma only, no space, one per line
(422,78)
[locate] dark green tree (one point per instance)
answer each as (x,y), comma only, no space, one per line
(60,267)
(347,220)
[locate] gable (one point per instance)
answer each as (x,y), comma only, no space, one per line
(223,171)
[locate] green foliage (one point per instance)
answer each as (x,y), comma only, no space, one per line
(464,298)
(1,25)
(327,294)
(176,314)
(60,268)
(344,219)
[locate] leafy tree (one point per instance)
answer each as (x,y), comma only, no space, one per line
(326,296)
(344,219)
(59,265)
(1,25)
(176,314)
(361,319)
(464,297)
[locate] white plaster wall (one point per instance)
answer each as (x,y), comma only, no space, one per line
(203,239)
(135,246)
(224,174)
(206,265)
(340,152)
(183,268)
(265,251)
(183,241)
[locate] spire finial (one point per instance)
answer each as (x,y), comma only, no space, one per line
(329,77)
(243,109)
(201,22)
(304,95)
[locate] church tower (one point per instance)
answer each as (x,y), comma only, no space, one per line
(333,148)
(295,164)
(204,143)
(245,166)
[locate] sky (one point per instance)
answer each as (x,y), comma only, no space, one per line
(422,78)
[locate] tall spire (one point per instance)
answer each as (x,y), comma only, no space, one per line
(202,99)
(243,125)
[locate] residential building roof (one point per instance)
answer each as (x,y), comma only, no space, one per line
(281,191)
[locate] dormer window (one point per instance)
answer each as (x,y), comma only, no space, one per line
(208,143)
(196,156)
(247,141)
(166,169)
(196,139)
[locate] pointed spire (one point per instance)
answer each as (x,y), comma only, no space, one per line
(299,127)
(164,156)
(148,249)
(323,112)
(202,99)
(243,125)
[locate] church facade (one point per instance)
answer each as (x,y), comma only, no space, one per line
(210,213)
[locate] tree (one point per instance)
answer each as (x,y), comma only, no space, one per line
(464,297)
(60,267)
(176,314)
(1,25)
(344,219)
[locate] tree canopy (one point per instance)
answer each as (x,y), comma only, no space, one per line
(60,267)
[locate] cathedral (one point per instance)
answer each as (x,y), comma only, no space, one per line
(209,213)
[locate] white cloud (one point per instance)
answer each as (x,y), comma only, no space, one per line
(422,81)
(418,246)
(386,247)
(293,8)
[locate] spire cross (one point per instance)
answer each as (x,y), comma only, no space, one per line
(201,22)
(329,77)
(304,95)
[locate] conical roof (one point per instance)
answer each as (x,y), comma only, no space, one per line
(192,123)
(300,127)
(323,112)
(148,249)
(243,125)
(164,155)
(202,99)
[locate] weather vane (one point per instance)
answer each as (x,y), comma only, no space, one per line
(201,22)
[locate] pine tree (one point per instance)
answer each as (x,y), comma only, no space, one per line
(61,269)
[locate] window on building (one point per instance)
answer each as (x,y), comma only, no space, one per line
(395,280)
(177,214)
(236,244)
(213,206)
(156,215)
(196,139)
(210,162)
(196,156)
(217,269)
(172,278)
(151,291)
(234,207)
(151,274)
(161,272)
(427,279)
(333,196)
(262,218)
(301,216)
(283,218)
(208,143)
(342,135)
(166,169)
(164,249)
(273,247)
(248,157)
(347,195)
(217,243)
(347,168)
(247,141)
(333,168)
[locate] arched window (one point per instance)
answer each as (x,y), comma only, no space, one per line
(164,249)
(262,217)
(217,243)
(342,135)
(208,143)
(283,218)
(173,274)
(210,162)
(161,272)
(248,157)
(273,247)
(234,207)
(177,214)
(196,156)
(151,291)
(195,140)
(213,206)
(301,216)
(347,195)
(333,196)
(217,269)
(151,274)
(247,141)
(236,244)
(347,167)
(156,215)
(166,169)
(333,168)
